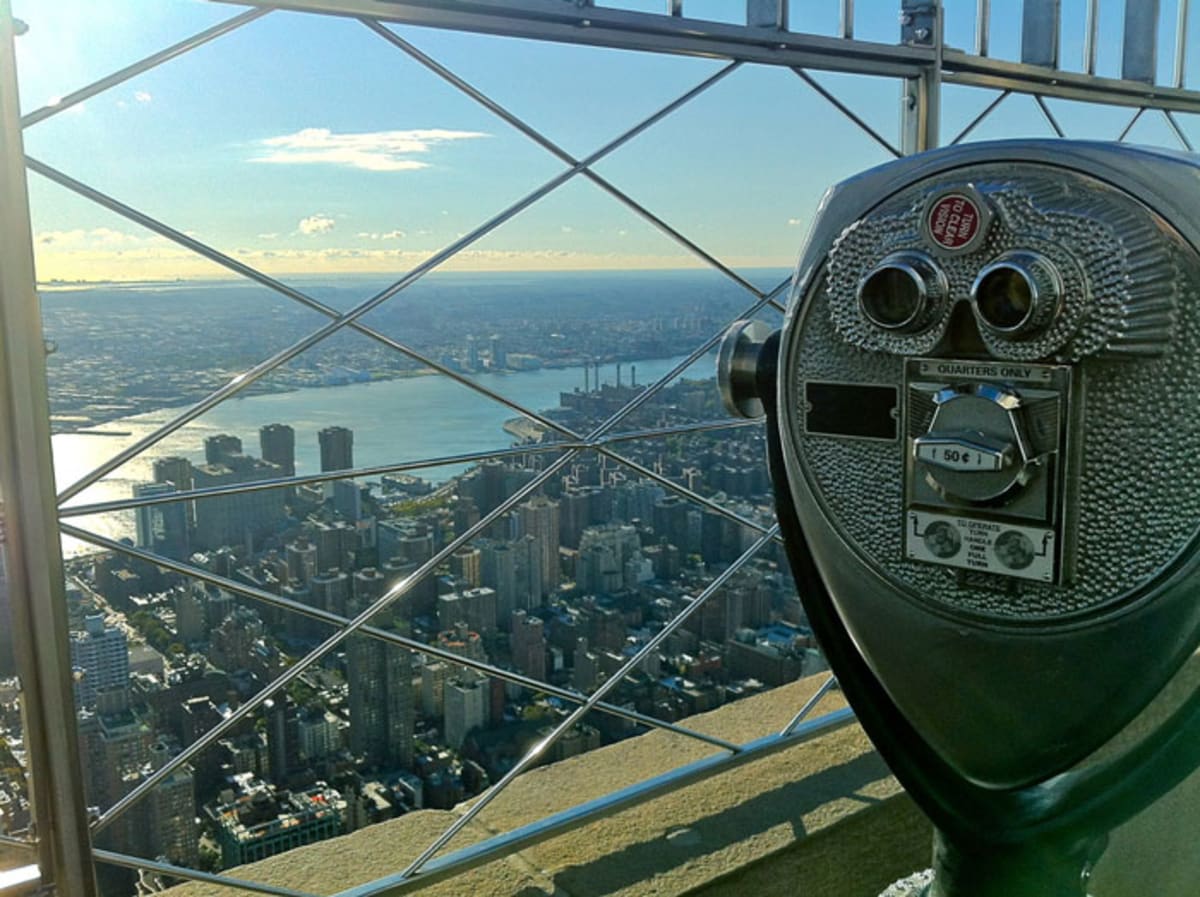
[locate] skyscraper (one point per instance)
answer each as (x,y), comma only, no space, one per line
(381,702)
(175,470)
(277,443)
(220,447)
(231,519)
(528,644)
(100,655)
(466,706)
(381,698)
(539,518)
(337,448)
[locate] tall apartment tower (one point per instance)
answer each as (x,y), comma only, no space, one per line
(277,444)
(173,830)
(528,643)
(175,470)
(539,518)
(100,654)
(382,700)
(337,448)
(465,707)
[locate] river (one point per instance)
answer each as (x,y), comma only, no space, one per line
(393,420)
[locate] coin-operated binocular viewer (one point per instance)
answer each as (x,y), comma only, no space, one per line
(983,414)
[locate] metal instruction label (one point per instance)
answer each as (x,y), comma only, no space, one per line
(1005,371)
(989,546)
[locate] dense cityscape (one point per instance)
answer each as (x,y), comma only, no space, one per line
(563,589)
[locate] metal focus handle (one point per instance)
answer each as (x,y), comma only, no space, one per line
(738,368)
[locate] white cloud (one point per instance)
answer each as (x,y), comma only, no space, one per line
(143,96)
(793,222)
(369,151)
(271,236)
(315,224)
(96,237)
(567,229)
(386,235)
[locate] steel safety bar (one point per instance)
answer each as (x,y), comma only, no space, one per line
(391,595)
(539,749)
(386,635)
(541,448)
(921,60)
(499,846)
(388,598)
(240,382)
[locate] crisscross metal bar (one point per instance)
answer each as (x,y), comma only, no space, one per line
(108,816)
(386,635)
(396,592)
(809,705)
(579,712)
(546,143)
(1050,119)
(685,492)
(1129,127)
(847,112)
(502,845)
(697,353)
(262,368)
(220,258)
(119,859)
(978,119)
(1179,134)
(542,448)
(130,504)
(142,66)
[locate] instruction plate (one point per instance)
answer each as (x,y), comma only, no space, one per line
(989,546)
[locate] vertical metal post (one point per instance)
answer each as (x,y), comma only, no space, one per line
(1091,36)
(983,26)
(767,14)
(920,100)
(1139,57)
(846,22)
(34,557)
(1181,35)
(1039,32)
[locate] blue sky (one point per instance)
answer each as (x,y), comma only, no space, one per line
(306,144)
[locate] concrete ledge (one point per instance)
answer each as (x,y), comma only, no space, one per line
(826,814)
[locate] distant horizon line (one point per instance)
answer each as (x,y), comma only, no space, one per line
(61,283)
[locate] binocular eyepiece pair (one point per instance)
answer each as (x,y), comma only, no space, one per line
(983,413)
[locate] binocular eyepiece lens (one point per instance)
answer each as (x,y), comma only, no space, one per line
(1004,297)
(1017,293)
(897,294)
